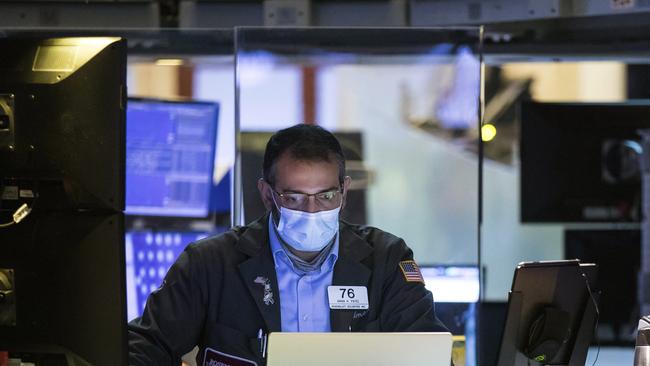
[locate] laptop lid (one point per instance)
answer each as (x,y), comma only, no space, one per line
(341,349)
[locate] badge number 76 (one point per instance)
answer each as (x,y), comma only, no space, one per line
(347,291)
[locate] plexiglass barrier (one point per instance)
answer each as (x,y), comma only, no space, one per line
(405,104)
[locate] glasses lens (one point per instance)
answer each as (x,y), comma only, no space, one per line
(328,200)
(293,200)
(325,200)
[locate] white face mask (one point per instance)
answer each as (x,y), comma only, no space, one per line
(308,231)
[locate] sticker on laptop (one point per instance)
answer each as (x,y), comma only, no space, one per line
(216,358)
(347,297)
(411,271)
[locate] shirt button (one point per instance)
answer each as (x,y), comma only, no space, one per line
(305,317)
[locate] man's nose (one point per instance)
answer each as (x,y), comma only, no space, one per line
(311,205)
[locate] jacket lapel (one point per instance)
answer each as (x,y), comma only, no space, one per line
(349,271)
(258,272)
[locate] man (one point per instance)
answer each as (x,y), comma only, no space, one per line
(281,272)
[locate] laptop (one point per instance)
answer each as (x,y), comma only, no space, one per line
(354,349)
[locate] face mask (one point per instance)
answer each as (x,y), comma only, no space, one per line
(308,231)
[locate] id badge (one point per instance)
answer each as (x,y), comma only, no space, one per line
(347,297)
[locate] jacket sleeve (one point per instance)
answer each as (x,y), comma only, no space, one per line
(407,306)
(173,318)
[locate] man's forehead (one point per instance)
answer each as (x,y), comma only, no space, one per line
(297,174)
(287,159)
(299,155)
(291,160)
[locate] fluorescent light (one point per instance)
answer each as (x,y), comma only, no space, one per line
(169,62)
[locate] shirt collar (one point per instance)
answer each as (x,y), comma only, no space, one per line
(280,256)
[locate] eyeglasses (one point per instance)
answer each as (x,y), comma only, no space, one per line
(325,200)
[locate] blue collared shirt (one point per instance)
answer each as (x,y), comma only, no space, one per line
(304,306)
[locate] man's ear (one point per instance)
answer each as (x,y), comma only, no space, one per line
(266,193)
(346,187)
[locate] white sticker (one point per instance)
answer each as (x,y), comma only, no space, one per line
(26,193)
(347,297)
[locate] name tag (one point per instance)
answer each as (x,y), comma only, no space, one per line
(348,297)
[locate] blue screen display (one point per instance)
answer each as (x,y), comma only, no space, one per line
(149,255)
(170,150)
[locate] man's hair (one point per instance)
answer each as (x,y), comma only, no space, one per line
(302,142)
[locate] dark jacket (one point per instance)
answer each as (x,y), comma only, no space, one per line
(210,298)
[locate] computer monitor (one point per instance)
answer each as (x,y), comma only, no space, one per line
(452,283)
(551,314)
(68,293)
(455,289)
(580,161)
(618,254)
(149,255)
(62,154)
(170,147)
(61,119)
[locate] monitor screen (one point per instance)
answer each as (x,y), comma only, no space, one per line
(149,255)
(580,161)
(452,283)
(170,150)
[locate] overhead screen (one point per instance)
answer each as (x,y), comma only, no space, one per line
(170,150)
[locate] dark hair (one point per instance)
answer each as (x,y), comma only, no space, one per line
(303,142)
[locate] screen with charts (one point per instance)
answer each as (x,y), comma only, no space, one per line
(170,149)
(452,283)
(149,255)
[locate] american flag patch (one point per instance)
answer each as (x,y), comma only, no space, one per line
(411,271)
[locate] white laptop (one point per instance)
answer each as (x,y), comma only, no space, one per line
(355,349)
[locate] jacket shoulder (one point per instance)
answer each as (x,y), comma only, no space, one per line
(219,245)
(248,239)
(217,241)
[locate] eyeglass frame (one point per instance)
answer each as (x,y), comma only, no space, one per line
(340,190)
